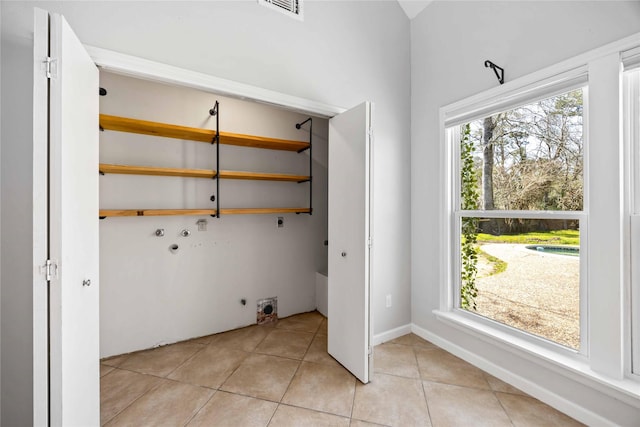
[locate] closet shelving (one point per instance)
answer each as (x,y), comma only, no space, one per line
(129,125)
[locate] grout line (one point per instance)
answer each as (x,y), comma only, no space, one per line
(273,415)
(315,410)
(290,381)
(201,408)
(184,361)
(136,399)
(424,393)
(503,408)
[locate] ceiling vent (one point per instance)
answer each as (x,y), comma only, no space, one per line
(291,8)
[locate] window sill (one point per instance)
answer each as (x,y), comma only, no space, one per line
(563,361)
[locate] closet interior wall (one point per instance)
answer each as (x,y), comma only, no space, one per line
(152,296)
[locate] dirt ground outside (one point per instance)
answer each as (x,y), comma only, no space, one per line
(538,292)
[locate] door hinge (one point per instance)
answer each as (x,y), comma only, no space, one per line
(50,67)
(50,270)
(370,242)
(369,351)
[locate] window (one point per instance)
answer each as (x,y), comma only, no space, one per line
(518,215)
(632,139)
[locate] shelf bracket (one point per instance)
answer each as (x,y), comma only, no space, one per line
(215,111)
(499,74)
(310,180)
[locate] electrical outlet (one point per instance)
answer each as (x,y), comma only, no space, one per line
(202,225)
(388,300)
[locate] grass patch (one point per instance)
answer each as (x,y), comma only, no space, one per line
(558,237)
(497,265)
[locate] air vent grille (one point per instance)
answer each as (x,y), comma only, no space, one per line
(291,8)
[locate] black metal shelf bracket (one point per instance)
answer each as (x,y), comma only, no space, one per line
(215,111)
(299,126)
(499,74)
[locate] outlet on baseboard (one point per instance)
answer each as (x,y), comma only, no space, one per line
(389,301)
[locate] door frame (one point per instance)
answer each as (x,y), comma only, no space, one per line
(132,66)
(136,67)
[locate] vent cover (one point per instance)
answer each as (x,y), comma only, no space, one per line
(291,8)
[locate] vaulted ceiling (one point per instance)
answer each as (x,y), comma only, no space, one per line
(413,7)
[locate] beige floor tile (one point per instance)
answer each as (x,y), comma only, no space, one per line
(285,343)
(391,400)
(162,360)
(358,423)
(169,404)
(526,411)
(497,384)
(439,366)
(317,352)
(119,389)
(288,416)
(209,367)
(204,340)
(262,376)
(395,359)
(323,388)
(322,330)
(414,340)
(104,370)
(305,322)
(451,405)
(232,410)
(115,361)
(245,339)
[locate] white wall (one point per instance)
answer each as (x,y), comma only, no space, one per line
(16,226)
(151,296)
(450,42)
(342,54)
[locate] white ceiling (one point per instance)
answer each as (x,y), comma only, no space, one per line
(413,7)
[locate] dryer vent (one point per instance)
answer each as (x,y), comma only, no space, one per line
(267,310)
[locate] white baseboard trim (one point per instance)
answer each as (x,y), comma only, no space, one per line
(568,407)
(392,334)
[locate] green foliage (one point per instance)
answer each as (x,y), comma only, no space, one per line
(538,156)
(497,265)
(557,237)
(469,201)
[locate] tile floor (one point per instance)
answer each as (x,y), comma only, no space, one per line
(281,375)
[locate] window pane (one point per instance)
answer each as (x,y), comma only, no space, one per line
(526,276)
(528,158)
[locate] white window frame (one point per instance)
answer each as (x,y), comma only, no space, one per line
(606,355)
(562,84)
(631,106)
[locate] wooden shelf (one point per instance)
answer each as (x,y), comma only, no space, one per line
(260,211)
(154,212)
(148,170)
(199,212)
(263,176)
(199,173)
(123,124)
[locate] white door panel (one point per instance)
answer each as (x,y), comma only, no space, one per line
(73,232)
(349,334)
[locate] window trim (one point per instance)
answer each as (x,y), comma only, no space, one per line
(607,358)
(571,81)
(631,129)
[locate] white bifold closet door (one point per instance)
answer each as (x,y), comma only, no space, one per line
(71,188)
(349,314)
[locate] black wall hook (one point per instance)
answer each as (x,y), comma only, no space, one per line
(500,74)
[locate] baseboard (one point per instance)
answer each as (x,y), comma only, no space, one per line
(391,334)
(568,407)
